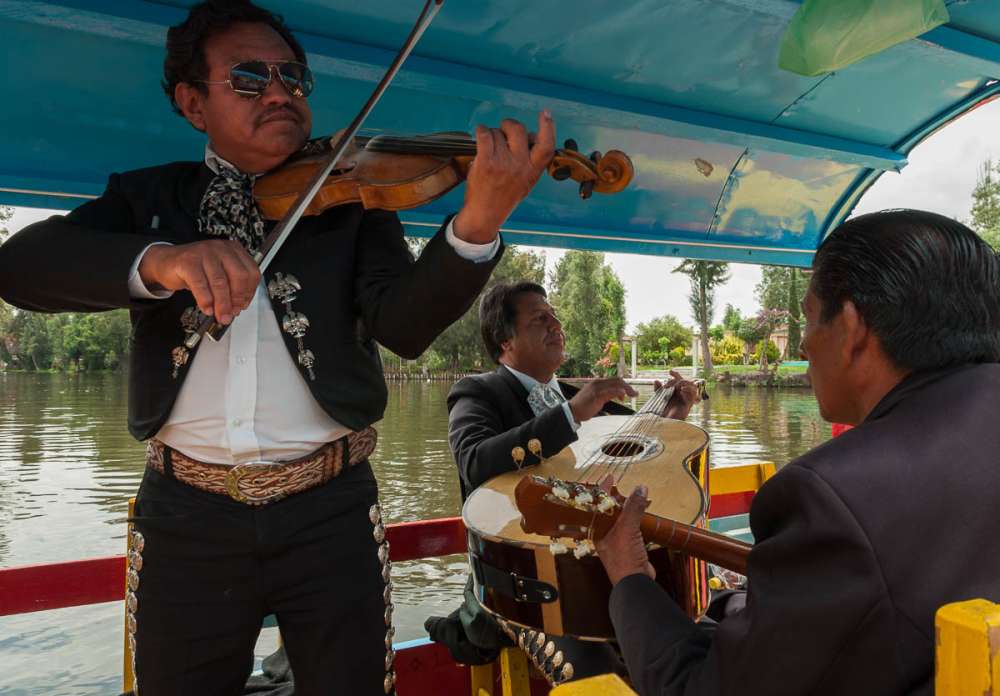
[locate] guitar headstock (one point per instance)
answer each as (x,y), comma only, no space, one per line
(567,511)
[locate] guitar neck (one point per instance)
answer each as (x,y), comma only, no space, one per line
(709,546)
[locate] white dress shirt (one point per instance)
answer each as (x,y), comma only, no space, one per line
(529,382)
(244,399)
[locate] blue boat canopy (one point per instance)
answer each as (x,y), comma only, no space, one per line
(736,160)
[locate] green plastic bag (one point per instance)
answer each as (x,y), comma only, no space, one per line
(826,35)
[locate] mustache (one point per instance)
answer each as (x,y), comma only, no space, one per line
(283,110)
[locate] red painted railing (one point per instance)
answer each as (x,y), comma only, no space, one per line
(74,583)
(94,580)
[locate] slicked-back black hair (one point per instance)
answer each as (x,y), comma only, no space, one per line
(926,285)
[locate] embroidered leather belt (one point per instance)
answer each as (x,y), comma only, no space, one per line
(259,483)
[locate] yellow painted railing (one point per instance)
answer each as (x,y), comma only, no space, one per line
(968,649)
(737,479)
(603,685)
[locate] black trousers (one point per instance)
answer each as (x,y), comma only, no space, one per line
(212,568)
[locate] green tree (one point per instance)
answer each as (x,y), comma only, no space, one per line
(705,277)
(750,333)
(659,336)
(731,319)
(767,321)
(590,300)
(986,203)
(6,311)
(784,288)
(460,346)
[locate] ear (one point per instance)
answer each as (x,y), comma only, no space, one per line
(857,337)
(191,101)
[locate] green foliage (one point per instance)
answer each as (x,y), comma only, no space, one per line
(727,351)
(731,319)
(590,300)
(986,204)
(679,356)
(784,288)
(659,336)
(705,277)
(460,346)
(717,332)
(772,353)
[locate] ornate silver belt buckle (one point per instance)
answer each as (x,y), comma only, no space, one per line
(241,471)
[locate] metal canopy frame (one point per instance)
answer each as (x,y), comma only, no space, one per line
(734,216)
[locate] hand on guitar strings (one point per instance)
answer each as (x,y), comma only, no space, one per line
(686,395)
(590,400)
(623,550)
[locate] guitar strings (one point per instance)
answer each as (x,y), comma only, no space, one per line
(634,428)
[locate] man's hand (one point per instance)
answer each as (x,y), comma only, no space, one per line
(589,401)
(506,167)
(686,395)
(218,272)
(622,550)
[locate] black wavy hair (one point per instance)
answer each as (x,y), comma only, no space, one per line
(185,61)
(498,313)
(927,286)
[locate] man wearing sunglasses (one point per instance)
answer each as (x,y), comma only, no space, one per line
(258,498)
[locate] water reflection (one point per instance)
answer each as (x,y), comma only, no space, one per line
(68,468)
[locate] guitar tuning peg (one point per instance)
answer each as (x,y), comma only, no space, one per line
(570,144)
(535,447)
(586,189)
(518,455)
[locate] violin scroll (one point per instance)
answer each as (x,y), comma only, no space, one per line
(604,173)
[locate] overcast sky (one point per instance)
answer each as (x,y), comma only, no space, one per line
(939,177)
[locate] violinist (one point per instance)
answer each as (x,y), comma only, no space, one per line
(258,497)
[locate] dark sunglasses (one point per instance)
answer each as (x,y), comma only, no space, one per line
(252,77)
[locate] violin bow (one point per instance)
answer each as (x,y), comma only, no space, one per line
(272,244)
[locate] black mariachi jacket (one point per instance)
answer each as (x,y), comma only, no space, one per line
(359,285)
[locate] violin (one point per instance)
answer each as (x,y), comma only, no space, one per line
(391,172)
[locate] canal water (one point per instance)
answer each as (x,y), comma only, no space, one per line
(68,467)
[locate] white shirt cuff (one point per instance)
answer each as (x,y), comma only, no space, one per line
(477,253)
(569,416)
(137,290)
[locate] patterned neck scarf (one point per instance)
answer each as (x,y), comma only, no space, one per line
(542,397)
(229,210)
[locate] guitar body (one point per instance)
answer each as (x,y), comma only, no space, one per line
(519,578)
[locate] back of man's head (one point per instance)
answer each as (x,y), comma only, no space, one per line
(926,285)
(498,314)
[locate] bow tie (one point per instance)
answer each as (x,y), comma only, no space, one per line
(542,397)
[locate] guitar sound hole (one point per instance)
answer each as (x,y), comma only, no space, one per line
(623,448)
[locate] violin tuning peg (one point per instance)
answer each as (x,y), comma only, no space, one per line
(561,174)
(570,144)
(595,156)
(586,189)
(535,447)
(518,455)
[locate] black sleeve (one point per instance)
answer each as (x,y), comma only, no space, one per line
(75,262)
(817,614)
(405,304)
(482,446)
